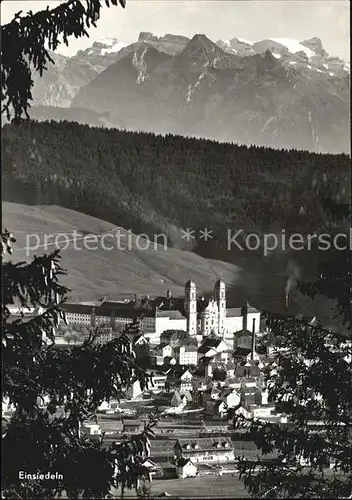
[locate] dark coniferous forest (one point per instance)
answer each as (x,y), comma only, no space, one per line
(154,183)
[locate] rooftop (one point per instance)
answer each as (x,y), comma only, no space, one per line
(114,310)
(78,308)
(190,348)
(169,313)
(135,423)
(205,444)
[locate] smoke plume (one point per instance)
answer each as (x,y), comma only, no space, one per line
(293,279)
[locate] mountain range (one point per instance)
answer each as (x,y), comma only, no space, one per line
(276,92)
(58,177)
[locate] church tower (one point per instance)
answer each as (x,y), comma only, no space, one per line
(220,298)
(191,307)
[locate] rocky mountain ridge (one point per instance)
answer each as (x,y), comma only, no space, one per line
(276,92)
(62,81)
(306,55)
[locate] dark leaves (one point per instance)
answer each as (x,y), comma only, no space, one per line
(311,382)
(54,391)
(23,43)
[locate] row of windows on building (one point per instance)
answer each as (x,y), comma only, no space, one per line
(86,319)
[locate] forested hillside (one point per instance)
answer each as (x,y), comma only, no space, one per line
(147,182)
(151,183)
(118,274)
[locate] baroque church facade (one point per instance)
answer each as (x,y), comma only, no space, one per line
(205,317)
(192,313)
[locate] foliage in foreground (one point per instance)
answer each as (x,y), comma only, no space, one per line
(310,382)
(54,391)
(312,385)
(23,47)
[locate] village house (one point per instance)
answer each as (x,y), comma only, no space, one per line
(242,353)
(170,472)
(166,350)
(219,401)
(188,396)
(251,396)
(215,393)
(243,339)
(238,383)
(170,361)
(135,390)
(186,468)
(186,381)
(230,369)
(104,407)
(132,426)
(211,346)
(159,379)
(188,355)
(159,360)
(203,450)
(230,399)
(151,467)
(226,356)
(247,369)
(170,400)
(244,412)
(210,405)
(178,400)
(162,351)
(90,429)
(143,467)
(200,384)
(263,412)
(142,347)
(207,365)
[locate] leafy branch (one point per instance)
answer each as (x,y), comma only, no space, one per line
(23,47)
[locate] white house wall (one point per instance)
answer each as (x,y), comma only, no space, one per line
(233,324)
(163,324)
(211,457)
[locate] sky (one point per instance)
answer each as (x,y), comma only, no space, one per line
(250,19)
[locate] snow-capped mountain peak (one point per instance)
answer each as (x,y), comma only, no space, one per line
(293,46)
(316,45)
(101,53)
(113,48)
(243,40)
(241,90)
(238,46)
(106,46)
(277,45)
(307,55)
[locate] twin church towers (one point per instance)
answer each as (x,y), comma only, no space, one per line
(205,316)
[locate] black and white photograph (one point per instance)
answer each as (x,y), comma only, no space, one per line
(176,249)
